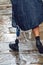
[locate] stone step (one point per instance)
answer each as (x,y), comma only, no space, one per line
(35,64)
(13,58)
(7,37)
(31,59)
(18,57)
(7,11)
(5,5)
(41,27)
(27,47)
(4,1)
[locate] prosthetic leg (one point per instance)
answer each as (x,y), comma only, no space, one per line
(15,46)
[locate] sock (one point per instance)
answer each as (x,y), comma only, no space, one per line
(37,38)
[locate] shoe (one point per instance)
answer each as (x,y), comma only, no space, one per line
(39,46)
(14,46)
(40,49)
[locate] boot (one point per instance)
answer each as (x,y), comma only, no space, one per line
(14,46)
(39,46)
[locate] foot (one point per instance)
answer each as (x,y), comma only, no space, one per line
(40,49)
(39,46)
(14,46)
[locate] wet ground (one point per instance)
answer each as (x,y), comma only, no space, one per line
(27,55)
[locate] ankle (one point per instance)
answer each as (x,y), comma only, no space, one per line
(37,38)
(16,41)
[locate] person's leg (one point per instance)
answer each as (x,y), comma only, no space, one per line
(36,33)
(14,46)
